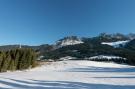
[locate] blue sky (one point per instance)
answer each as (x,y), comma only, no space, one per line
(35,22)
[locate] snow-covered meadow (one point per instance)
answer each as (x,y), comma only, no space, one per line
(71,75)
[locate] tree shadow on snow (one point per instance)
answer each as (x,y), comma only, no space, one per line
(101,69)
(40,84)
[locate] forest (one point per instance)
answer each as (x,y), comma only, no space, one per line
(17,59)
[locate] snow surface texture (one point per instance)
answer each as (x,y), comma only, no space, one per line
(71,75)
(116,44)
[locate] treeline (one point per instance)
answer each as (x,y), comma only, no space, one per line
(18,59)
(116,60)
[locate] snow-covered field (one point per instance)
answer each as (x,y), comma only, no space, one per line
(71,75)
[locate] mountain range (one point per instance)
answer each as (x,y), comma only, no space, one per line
(73,40)
(83,47)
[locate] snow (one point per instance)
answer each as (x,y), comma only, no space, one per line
(67,58)
(116,44)
(67,42)
(105,57)
(71,42)
(71,75)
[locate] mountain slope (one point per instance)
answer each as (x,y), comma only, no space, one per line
(71,40)
(131,45)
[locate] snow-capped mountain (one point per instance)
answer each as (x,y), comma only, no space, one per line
(72,40)
(117,43)
(113,37)
(131,36)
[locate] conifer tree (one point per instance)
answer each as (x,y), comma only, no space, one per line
(5,62)
(18,59)
(1,59)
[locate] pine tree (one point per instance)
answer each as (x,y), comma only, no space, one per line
(1,59)
(17,57)
(5,62)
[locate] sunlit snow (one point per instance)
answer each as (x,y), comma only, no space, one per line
(71,75)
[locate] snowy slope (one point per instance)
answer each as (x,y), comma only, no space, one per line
(72,75)
(116,44)
(73,40)
(105,57)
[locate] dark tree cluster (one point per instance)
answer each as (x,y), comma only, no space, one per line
(18,59)
(116,60)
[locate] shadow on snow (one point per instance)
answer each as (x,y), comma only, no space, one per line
(101,69)
(39,84)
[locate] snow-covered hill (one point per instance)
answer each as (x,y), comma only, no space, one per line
(116,44)
(71,75)
(72,40)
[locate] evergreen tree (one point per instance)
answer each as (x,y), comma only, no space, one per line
(1,59)
(5,62)
(18,59)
